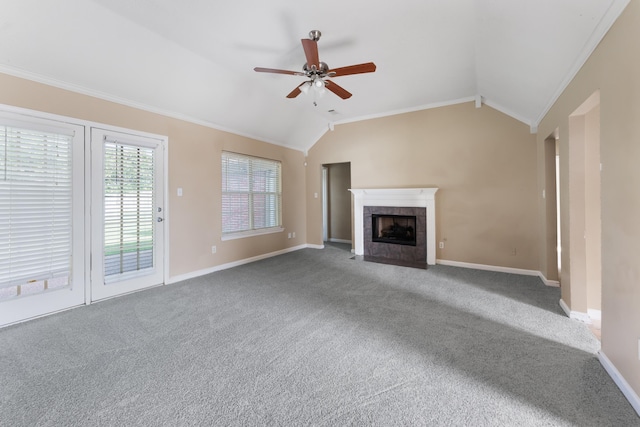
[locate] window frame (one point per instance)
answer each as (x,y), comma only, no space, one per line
(252,231)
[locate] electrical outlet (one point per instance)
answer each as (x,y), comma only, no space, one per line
(514,252)
(293,234)
(213,249)
(638,348)
(289,236)
(441,246)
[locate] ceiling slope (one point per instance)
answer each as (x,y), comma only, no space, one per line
(194,59)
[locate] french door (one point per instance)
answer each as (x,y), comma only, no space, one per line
(42,245)
(127,213)
(81,214)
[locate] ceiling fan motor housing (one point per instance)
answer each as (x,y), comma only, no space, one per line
(324,68)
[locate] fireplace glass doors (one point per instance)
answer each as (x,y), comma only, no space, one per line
(395,229)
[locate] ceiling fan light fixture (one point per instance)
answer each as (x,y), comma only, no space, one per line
(305,87)
(318,86)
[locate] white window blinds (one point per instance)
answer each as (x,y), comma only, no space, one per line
(251,193)
(128,209)
(35,205)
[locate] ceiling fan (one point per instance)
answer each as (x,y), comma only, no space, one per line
(317,72)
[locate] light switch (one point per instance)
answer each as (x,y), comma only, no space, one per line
(180,192)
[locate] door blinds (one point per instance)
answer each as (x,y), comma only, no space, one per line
(128,210)
(35,205)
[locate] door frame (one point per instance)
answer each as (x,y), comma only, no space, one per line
(90,174)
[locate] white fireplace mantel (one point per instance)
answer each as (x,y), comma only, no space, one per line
(396,197)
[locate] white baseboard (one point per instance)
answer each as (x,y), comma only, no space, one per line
(331,239)
(488,267)
(510,270)
(594,314)
(622,384)
(198,273)
(552,283)
(589,317)
(577,315)
(565,308)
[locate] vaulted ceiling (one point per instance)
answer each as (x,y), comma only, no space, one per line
(194,59)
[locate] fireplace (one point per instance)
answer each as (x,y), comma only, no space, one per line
(418,202)
(395,235)
(393,229)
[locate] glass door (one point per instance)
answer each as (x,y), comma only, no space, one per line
(42,252)
(127,213)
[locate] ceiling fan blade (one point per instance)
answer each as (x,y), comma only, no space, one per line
(338,90)
(296,91)
(311,52)
(276,71)
(368,67)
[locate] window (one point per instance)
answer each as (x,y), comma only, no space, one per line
(35,210)
(251,194)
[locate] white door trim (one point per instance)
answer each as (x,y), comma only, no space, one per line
(128,282)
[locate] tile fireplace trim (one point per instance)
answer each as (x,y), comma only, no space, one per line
(396,197)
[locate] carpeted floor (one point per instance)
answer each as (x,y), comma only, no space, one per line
(313,338)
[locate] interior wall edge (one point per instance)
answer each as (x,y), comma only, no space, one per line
(622,384)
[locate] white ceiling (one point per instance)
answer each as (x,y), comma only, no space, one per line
(194,59)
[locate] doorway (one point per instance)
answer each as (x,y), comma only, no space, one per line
(337,203)
(551,197)
(583,265)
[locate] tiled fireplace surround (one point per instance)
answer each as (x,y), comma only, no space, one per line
(406,255)
(400,201)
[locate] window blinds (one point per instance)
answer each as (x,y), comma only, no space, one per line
(128,209)
(35,205)
(251,193)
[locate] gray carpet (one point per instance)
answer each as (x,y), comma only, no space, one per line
(313,338)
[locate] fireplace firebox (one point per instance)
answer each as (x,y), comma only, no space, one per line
(395,235)
(394,229)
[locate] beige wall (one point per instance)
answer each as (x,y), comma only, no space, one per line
(592,208)
(339,182)
(483,161)
(614,69)
(194,165)
(573,234)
